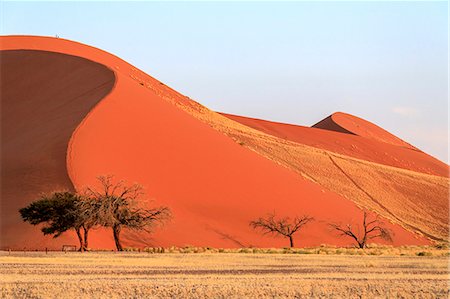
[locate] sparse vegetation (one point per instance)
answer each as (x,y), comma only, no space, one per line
(370,229)
(281,226)
(87,213)
(116,207)
(113,205)
(424,253)
(60,213)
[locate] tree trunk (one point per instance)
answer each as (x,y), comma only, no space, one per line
(116,233)
(86,234)
(291,240)
(80,238)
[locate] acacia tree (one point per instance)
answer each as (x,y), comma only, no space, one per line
(371,229)
(281,226)
(87,213)
(59,211)
(117,207)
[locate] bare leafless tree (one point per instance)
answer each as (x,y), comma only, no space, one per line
(370,229)
(118,205)
(87,215)
(281,226)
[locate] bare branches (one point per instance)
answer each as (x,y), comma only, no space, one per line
(109,188)
(299,222)
(146,218)
(280,226)
(115,205)
(371,230)
(345,231)
(111,203)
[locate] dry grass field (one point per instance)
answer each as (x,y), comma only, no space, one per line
(209,273)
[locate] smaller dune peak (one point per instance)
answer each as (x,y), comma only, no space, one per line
(350,124)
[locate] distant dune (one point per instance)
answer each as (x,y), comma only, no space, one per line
(71,112)
(362,143)
(350,124)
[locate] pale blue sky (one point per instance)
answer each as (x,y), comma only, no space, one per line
(293,62)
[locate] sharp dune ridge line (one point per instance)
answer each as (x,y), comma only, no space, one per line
(347,123)
(40,110)
(218,172)
(349,144)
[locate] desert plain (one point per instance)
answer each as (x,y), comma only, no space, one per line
(322,272)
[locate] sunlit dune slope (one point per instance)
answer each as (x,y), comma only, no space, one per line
(349,144)
(214,173)
(350,124)
(417,201)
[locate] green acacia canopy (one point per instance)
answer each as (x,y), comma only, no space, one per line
(58,211)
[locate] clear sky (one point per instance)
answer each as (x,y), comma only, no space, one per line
(294,62)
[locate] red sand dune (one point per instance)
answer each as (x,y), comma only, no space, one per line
(71,112)
(350,124)
(41,94)
(368,147)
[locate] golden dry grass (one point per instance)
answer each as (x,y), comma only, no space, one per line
(439,250)
(225,275)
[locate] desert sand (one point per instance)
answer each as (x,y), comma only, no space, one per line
(71,112)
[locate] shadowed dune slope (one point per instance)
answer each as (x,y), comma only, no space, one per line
(44,97)
(214,173)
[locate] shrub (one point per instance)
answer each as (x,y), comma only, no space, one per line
(424,253)
(442,246)
(245,250)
